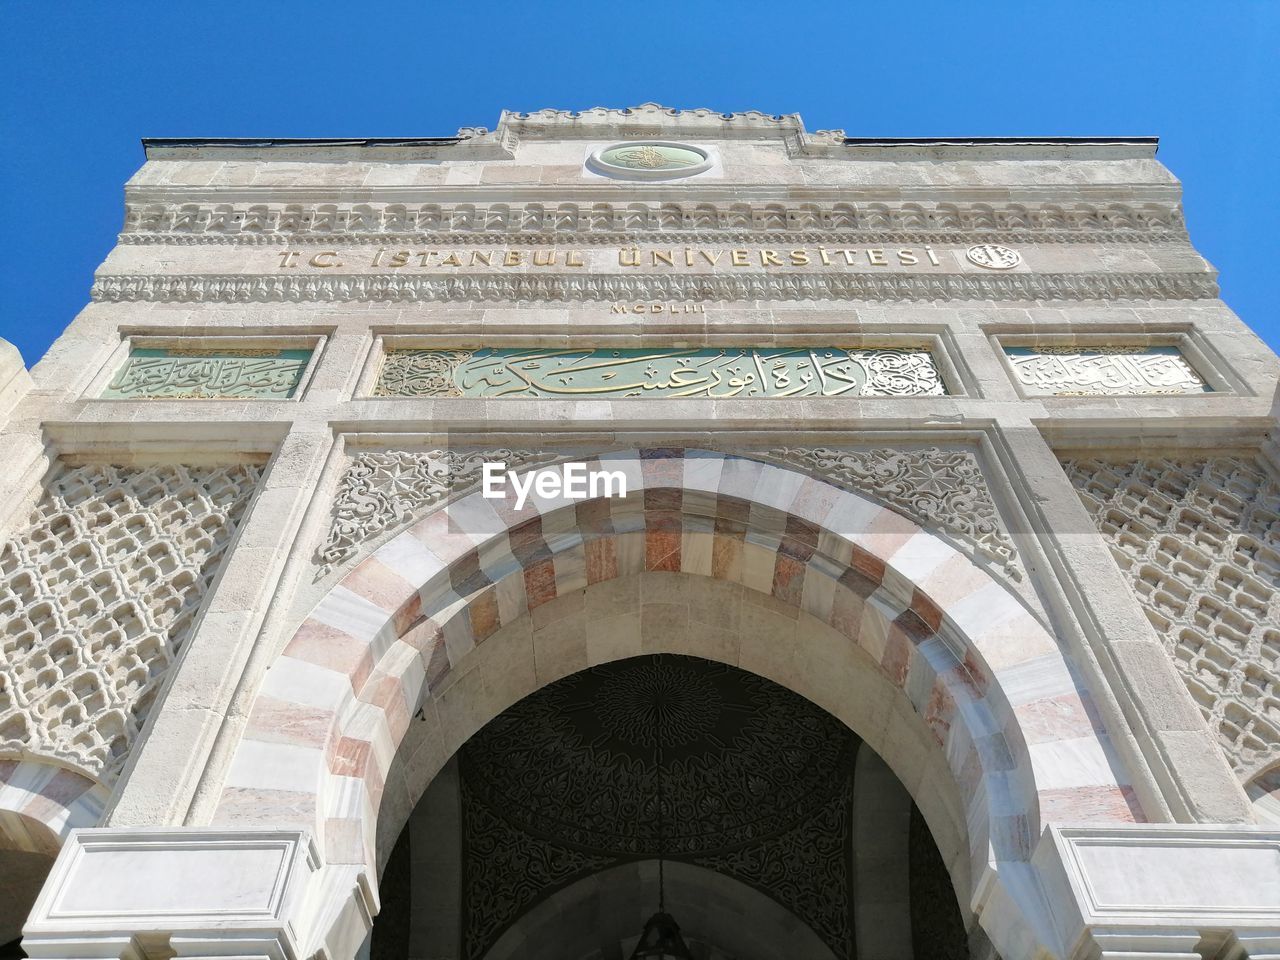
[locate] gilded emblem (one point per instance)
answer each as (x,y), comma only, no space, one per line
(654,160)
(993,256)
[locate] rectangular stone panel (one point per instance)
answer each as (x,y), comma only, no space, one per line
(1119,370)
(174,373)
(659,372)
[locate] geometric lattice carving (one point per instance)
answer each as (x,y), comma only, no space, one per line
(380,491)
(710,372)
(942,490)
(208,374)
(1200,543)
(98,593)
(1104,371)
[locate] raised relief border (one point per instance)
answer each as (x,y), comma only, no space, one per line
(659,372)
(402,288)
(603,222)
(1114,370)
(208,373)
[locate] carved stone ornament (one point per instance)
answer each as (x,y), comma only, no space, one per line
(649,160)
(993,256)
(564,784)
(651,373)
(1199,541)
(98,592)
(603,222)
(1114,371)
(239,288)
(942,490)
(381,491)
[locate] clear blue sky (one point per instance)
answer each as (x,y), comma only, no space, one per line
(83,80)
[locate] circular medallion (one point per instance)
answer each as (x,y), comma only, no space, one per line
(993,256)
(649,160)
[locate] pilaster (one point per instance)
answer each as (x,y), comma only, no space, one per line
(1131,672)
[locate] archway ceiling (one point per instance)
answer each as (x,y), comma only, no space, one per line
(756,785)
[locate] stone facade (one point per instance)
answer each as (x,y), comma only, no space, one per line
(952,439)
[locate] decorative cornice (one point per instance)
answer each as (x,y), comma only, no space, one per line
(172,221)
(653,118)
(240,288)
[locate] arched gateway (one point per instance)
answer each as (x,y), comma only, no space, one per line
(948,541)
(928,658)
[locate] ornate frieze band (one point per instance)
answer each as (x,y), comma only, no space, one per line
(239,288)
(1069,371)
(602,222)
(706,372)
(1200,544)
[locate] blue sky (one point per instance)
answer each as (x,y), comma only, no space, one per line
(84,80)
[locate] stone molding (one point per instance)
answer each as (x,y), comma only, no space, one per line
(410,223)
(239,288)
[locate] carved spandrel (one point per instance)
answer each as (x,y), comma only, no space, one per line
(709,373)
(195,374)
(1123,370)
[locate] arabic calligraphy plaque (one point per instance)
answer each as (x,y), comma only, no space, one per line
(702,372)
(194,374)
(1104,371)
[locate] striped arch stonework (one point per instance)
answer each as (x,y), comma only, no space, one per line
(41,803)
(1020,737)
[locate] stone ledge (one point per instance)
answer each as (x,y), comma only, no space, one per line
(1161,886)
(121,893)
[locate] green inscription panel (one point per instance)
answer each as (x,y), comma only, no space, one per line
(196,374)
(711,372)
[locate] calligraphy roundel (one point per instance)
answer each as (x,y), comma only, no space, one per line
(650,160)
(741,758)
